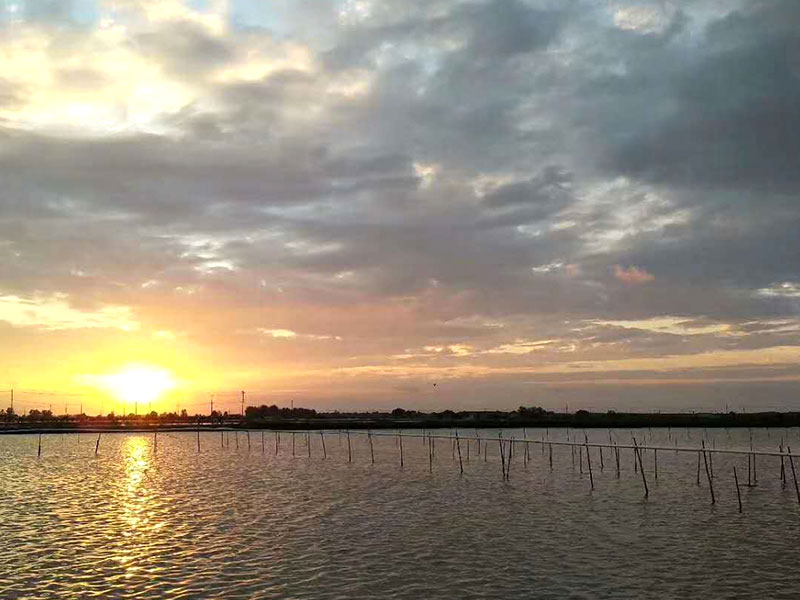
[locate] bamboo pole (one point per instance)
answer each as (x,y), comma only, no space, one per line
(550,447)
(198,438)
(324,449)
(293,444)
(738,493)
(248,440)
(263,447)
(430,456)
(589,462)
(783,469)
(602,466)
(616,456)
(655,462)
(277,442)
(794,473)
(400,437)
(508,460)
(39,451)
(349,448)
(698,468)
(97,444)
(371,449)
(236,435)
(708,473)
(222,439)
(638,455)
(502,454)
(458,447)
(308,443)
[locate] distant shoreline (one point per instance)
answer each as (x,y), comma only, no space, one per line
(579,420)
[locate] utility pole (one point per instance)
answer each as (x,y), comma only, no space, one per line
(242,403)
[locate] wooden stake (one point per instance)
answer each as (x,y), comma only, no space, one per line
(97,445)
(616,455)
(222,439)
(198,438)
(248,440)
(400,437)
(502,454)
(602,466)
(655,462)
(293,444)
(783,469)
(508,460)
(349,448)
(155,442)
(277,442)
(39,451)
(794,474)
(708,473)
(458,447)
(698,468)
(738,493)
(308,443)
(638,456)
(371,450)
(324,450)
(263,447)
(551,455)
(237,439)
(430,455)
(589,461)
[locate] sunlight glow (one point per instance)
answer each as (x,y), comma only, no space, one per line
(137,383)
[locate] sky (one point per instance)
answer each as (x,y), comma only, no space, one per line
(568,203)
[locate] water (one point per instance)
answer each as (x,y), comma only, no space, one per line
(228,523)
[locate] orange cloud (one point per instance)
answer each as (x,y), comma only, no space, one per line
(633,275)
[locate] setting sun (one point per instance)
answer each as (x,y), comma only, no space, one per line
(137,383)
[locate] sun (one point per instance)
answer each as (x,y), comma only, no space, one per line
(138,383)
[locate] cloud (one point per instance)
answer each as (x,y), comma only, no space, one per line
(633,275)
(391,177)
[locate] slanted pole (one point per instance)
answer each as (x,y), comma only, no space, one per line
(324,450)
(638,455)
(371,449)
(502,454)
(708,473)
(616,456)
(794,473)
(588,461)
(783,469)
(738,493)
(602,466)
(248,440)
(97,444)
(458,447)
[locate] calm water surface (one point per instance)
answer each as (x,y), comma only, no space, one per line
(247,523)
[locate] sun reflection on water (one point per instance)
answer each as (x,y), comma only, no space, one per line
(136,502)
